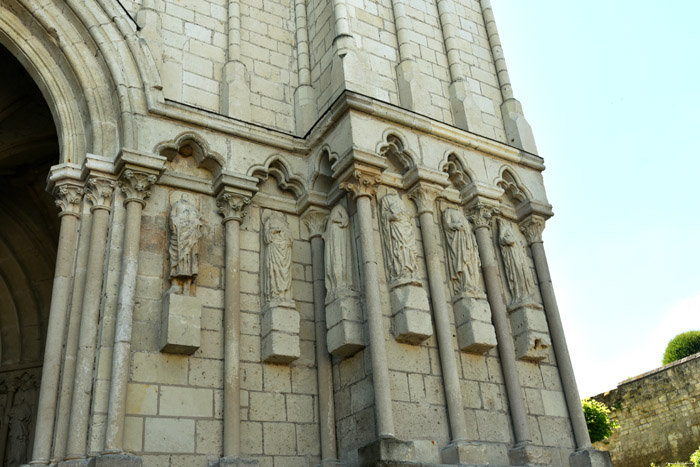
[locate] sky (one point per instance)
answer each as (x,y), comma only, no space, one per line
(610,89)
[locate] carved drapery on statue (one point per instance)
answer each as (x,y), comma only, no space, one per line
(475,333)
(399,241)
(277,260)
(182,312)
(527,318)
(19,390)
(343,312)
(519,275)
(185,232)
(280,321)
(409,300)
(462,254)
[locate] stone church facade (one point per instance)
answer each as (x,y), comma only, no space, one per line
(273,233)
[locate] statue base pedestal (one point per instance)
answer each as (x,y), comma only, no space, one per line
(234,462)
(590,458)
(386,452)
(280,331)
(181,324)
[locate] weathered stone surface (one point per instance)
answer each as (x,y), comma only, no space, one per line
(268,111)
(181,320)
(412,323)
(590,458)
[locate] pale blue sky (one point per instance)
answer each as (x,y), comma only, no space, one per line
(611,91)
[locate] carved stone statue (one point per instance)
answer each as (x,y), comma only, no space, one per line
(185,233)
(277,260)
(18,436)
(399,240)
(339,279)
(521,281)
(462,253)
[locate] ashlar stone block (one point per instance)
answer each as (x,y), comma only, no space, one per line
(344,321)
(590,458)
(181,323)
(476,337)
(531,346)
(475,333)
(528,454)
(530,333)
(280,330)
(409,304)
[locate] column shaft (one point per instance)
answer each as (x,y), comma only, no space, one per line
(380,367)
(232,338)
(506,351)
(82,389)
(325,367)
(73,332)
(450,373)
(561,350)
(60,296)
(114,441)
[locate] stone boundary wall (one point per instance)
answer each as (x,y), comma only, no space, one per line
(659,415)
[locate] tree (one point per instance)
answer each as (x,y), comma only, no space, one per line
(597,414)
(681,346)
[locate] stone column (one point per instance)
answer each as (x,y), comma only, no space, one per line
(523,452)
(532,228)
(68,193)
(363,189)
(315,221)
(135,183)
(233,207)
(457,452)
(98,191)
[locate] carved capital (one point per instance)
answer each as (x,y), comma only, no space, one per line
(532,228)
(424,195)
(136,185)
(481,215)
(68,197)
(315,220)
(362,183)
(233,206)
(98,191)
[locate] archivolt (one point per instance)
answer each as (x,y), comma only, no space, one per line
(86,59)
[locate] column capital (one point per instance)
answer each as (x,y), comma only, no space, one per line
(362,181)
(136,185)
(481,215)
(232,206)
(99,190)
(424,195)
(532,228)
(68,194)
(315,220)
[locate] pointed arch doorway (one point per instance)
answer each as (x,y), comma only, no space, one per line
(28,241)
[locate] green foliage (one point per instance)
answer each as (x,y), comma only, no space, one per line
(681,346)
(695,458)
(694,461)
(600,426)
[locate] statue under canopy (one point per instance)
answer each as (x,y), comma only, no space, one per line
(185,233)
(519,275)
(277,259)
(399,240)
(462,253)
(339,278)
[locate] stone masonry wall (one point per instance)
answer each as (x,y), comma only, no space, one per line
(193,40)
(658,413)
